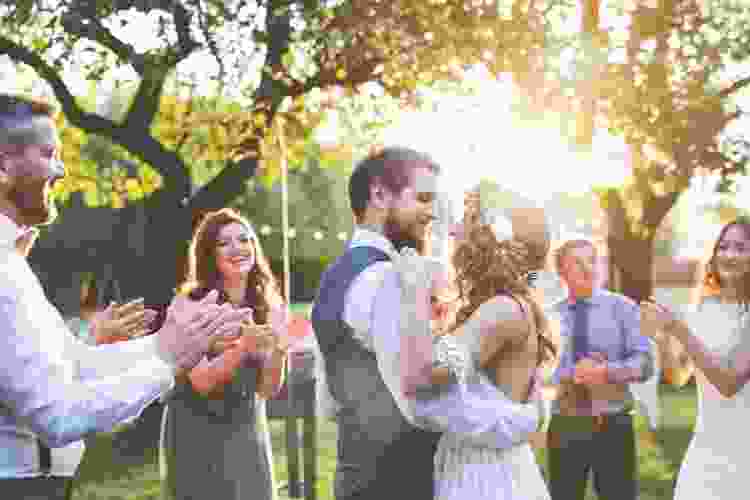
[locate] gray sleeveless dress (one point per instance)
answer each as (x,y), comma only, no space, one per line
(471,471)
(217,449)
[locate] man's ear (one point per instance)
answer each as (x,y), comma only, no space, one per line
(378,195)
(4,170)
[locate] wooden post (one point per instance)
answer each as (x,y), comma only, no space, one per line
(290,425)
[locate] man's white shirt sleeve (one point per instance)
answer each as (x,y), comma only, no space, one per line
(373,310)
(63,389)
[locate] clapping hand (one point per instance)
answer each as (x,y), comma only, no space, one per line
(192,326)
(591,370)
(263,339)
(258,339)
(656,318)
(232,339)
(122,321)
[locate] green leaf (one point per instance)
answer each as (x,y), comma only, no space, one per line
(267,181)
(91,198)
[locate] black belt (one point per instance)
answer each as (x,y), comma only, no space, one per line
(45,457)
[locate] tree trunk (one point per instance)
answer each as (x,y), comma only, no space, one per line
(632,259)
(158,268)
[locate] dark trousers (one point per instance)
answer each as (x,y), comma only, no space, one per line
(37,488)
(405,470)
(577,445)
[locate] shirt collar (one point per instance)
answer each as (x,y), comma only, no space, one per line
(10,231)
(364,237)
(592,300)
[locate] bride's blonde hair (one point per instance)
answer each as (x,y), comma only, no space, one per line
(485,267)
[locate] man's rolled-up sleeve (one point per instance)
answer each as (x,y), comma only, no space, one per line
(480,413)
(637,363)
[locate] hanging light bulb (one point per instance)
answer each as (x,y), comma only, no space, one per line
(318,235)
(265,230)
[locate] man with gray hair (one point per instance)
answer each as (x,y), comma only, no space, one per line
(603,352)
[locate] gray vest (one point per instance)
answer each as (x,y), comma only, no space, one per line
(380,455)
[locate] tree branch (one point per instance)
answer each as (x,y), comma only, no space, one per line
(658,207)
(363,73)
(272,90)
(153,69)
(186,43)
(225,187)
(69,105)
(230,182)
(137,141)
(212,46)
(92,29)
(735,87)
(616,216)
(145,105)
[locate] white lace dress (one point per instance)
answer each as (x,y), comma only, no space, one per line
(467,471)
(717,463)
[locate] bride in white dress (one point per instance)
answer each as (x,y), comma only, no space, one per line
(713,341)
(498,339)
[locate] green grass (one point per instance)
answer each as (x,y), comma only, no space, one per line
(101,477)
(303,309)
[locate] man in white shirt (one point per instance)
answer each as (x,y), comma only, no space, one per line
(54,389)
(387,435)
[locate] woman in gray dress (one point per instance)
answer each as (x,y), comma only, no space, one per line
(215,441)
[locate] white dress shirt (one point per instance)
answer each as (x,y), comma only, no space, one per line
(372,310)
(53,386)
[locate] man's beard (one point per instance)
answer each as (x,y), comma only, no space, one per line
(401,237)
(31,200)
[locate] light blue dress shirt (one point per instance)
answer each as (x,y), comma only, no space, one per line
(614,329)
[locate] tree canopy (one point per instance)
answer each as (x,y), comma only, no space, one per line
(660,73)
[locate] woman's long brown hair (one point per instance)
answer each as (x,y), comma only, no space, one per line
(710,284)
(203,275)
(485,268)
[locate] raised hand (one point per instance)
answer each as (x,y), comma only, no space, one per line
(257,339)
(121,321)
(192,326)
(232,339)
(656,319)
(591,370)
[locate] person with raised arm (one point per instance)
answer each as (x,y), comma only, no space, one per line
(215,439)
(54,389)
(712,341)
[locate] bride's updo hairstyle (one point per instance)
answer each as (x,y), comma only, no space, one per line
(485,266)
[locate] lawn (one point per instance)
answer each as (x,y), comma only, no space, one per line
(103,477)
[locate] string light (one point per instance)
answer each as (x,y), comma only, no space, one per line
(317,234)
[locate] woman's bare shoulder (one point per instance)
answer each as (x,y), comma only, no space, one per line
(503,316)
(500,308)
